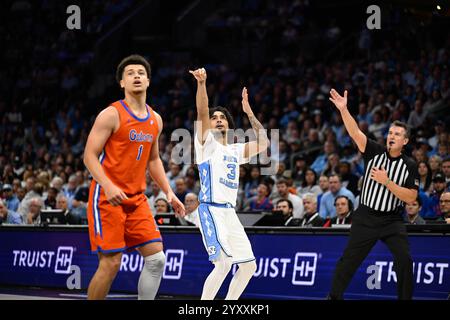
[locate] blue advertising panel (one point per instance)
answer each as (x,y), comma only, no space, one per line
(289,266)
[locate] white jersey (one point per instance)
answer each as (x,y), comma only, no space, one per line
(218,167)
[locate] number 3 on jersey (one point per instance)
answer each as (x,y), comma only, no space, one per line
(232,174)
(141,147)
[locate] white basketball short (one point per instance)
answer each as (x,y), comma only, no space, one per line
(222,230)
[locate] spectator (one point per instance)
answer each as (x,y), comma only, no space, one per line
(327,209)
(156,193)
(445,206)
(191,204)
(311,217)
(298,172)
(162,206)
(424,177)
(378,127)
(181,189)
(50,201)
(324,184)
(70,189)
(309,184)
(36,192)
(321,161)
(62,203)
(435,163)
(173,174)
(11,200)
(57,183)
(283,193)
(261,201)
(252,185)
(412,212)
(332,166)
(344,211)
(418,115)
(79,202)
(191,181)
(446,170)
(286,208)
(29,183)
(439,128)
(21,192)
(439,186)
(349,180)
(8,216)
(32,215)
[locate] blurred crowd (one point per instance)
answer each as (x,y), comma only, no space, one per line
(45,116)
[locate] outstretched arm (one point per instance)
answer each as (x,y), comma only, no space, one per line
(156,170)
(350,124)
(262,142)
(202,104)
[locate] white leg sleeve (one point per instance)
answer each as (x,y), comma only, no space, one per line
(240,280)
(151,275)
(215,279)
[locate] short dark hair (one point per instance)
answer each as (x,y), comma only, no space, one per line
(225,112)
(281,181)
(335,175)
(169,208)
(419,200)
(132,59)
(403,125)
(349,202)
(289,202)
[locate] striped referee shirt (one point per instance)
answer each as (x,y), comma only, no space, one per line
(402,170)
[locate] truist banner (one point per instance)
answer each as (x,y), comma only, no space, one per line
(290,265)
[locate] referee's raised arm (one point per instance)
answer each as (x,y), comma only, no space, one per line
(350,124)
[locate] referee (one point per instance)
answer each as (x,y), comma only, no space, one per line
(390,179)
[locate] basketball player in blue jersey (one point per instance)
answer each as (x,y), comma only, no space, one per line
(218,163)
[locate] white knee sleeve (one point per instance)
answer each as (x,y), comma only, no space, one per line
(151,275)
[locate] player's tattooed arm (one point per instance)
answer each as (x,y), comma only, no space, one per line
(262,142)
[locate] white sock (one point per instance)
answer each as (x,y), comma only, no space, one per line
(215,279)
(151,275)
(240,280)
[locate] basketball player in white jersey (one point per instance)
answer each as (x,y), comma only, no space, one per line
(218,164)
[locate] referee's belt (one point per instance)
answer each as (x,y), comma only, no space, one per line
(219,205)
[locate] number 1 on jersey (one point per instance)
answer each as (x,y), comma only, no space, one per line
(140,152)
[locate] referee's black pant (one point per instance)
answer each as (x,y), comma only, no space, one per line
(367,228)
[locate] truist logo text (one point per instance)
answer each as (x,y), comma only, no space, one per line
(304,267)
(133,262)
(174,264)
(60,260)
(426,273)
